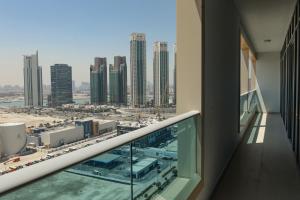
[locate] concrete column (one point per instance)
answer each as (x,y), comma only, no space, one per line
(189,82)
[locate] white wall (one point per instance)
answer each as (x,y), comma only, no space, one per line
(68,135)
(188,78)
(208,79)
(268,78)
(221,90)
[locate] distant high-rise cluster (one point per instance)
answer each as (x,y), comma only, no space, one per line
(138,69)
(61,85)
(33,81)
(161,74)
(98,81)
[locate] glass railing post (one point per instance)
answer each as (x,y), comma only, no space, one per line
(131,174)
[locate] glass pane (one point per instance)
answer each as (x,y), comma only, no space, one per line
(248,95)
(102,177)
(160,158)
(154,165)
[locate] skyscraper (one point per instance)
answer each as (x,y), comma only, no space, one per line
(61,84)
(174,79)
(118,80)
(161,74)
(138,69)
(33,81)
(98,81)
(114,84)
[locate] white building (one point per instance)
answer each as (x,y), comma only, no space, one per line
(62,136)
(161,73)
(33,81)
(12,138)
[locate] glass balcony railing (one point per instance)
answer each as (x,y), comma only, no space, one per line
(248,107)
(156,162)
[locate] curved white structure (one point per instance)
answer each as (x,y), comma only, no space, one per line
(12,138)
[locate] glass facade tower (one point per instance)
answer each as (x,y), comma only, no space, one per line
(118,81)
(175,65)
(114,84)
(61,84)
(98,81)
(138,69)
(33,81)
(161,74)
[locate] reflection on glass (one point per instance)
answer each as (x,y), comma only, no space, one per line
(248,106)
(101,177)
(156,162)
(248,97)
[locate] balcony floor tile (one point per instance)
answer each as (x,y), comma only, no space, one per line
(264,169)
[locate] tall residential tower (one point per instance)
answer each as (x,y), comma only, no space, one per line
(61,85)
(161,74)
(118,81)
(138,69)
(98,81)
(33,81)
(174,79)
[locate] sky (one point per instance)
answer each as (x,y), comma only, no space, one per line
(75,31)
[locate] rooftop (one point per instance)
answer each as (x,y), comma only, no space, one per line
(106,158)
(143,164)
(58,129)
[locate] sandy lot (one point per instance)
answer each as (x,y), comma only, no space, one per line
(29,120)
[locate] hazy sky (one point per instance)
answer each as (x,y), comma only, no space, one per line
(76,31)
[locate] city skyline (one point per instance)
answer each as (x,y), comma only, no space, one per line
(67,37)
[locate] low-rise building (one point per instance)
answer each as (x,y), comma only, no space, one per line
(103,126)
(153,140)
(142,167)
(126,127)
(87,127)
(95,128)
(61,136)
(34,139)
(106,161)
(159,153)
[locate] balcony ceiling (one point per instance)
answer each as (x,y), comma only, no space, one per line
(266,20)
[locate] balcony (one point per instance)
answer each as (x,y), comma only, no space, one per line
(155,162)
(239,147)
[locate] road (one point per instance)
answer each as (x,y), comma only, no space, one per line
(42,153)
